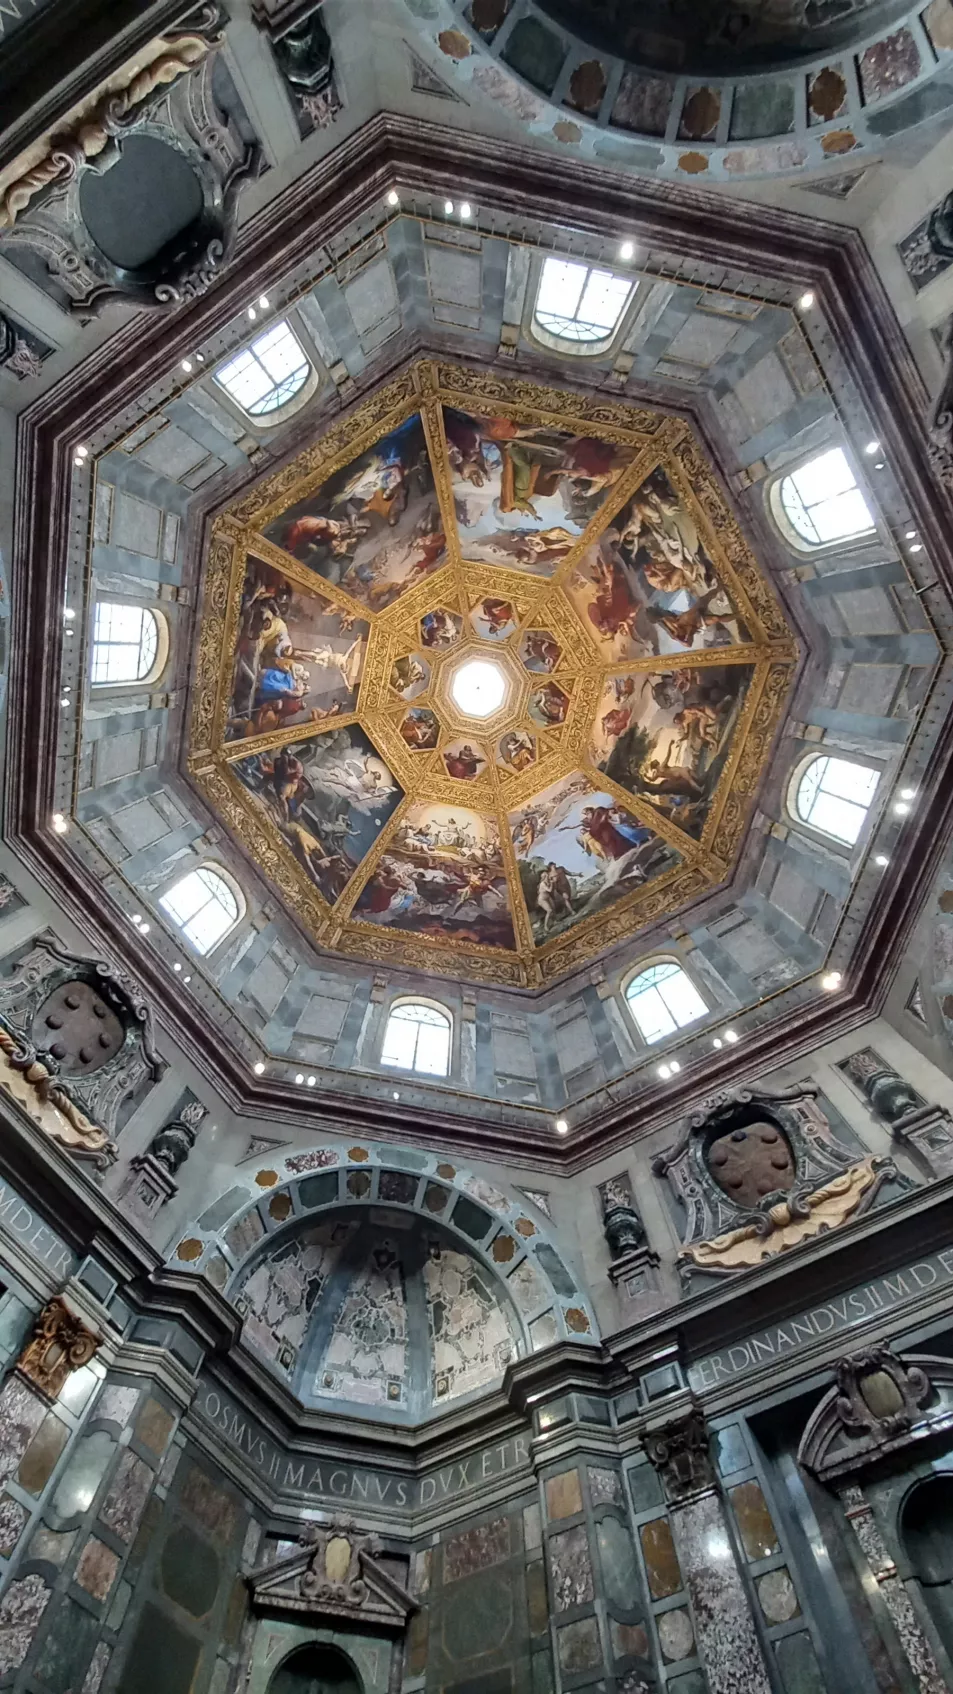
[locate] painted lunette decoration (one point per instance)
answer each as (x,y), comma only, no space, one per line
(587,552)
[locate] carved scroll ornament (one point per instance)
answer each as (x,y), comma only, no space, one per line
(879,1404)
(60,1344)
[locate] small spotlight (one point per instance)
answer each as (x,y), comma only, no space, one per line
(910,535)
(872,447)
(664,1071)
(186,979)
(831,980)
(186,364)
(448,207)
(393,198)
(908,793)
(259,1068)
(263,302)
(79,463)
(68,614)
(806,301)
(881,860)
(176,966)
(627,250)
(299,1078)
(466,210)
(879,466)
(252,313)
(901,808)
(60,824)
(731,1036)
(82,452)
(674,1066)
(200,358)
(65,700)
(917,547)
(562,1126)
(311,1081)
(396,1093)
(717,1042)
(143,929)
(137,918)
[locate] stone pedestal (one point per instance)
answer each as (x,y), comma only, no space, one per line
(147,1187)
(635,1277)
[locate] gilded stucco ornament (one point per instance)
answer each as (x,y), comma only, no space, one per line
(584,548)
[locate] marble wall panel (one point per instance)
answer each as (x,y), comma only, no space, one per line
(661,1560)
(754,1520)
(21,1413)
(40,1459)
(578,1645)
(12,1521)
(570,1569)
(124,1504)
(476,1549)
(21,1609)
(563,1495)
(727,1640)
(96,1569)
(605,1486)
(216,1510)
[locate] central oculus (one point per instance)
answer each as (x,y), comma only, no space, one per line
(478,688)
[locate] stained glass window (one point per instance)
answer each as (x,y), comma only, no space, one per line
(662,999)
(417,1038)
(267,373)
(822,502)
(580,303)
(834,795)
(204,906)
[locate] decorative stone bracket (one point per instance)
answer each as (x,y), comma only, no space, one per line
(60,1344)
(879,1405)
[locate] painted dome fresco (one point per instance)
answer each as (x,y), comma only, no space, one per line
(487,677)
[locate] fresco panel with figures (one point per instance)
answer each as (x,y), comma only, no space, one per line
(605,777)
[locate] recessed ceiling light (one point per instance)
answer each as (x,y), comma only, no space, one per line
(65,700)
(143,929)
(82,452)
(263,302)
(176,966)
(881,859)
(186,364)
(917,547)
(731,1036)
(186,979)
(674,1066)
(806,301)
(78,462)
(252,313)
(627,250)
(901,808)
(717,1041)
(60,824)
(466,210)
(137,917)
(911,534)
(396,1093)
(393,198)
(879,466)
(68,613)
(562,1126)
(200,358)
(872,447)
(448,207)
(299,1078)
(908,793)
(665,1072)
(311,1081)
(831,980)
(259,1068)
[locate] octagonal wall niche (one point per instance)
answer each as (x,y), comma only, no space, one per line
(578,565)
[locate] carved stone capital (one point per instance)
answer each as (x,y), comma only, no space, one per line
(60,1344)
(680,1452)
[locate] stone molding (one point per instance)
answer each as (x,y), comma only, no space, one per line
(880,1404)
(334,1575)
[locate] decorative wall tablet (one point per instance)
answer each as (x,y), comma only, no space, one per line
(760,1171)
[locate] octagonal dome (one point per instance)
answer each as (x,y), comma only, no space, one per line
(582,551)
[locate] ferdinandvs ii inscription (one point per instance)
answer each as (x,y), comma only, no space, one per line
(856,1306)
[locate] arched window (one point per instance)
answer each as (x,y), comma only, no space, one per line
(822,502)
(267,373)
(129,644)
(577,302)
(662,999)
(204,906)
(417,1038)
(834,796)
